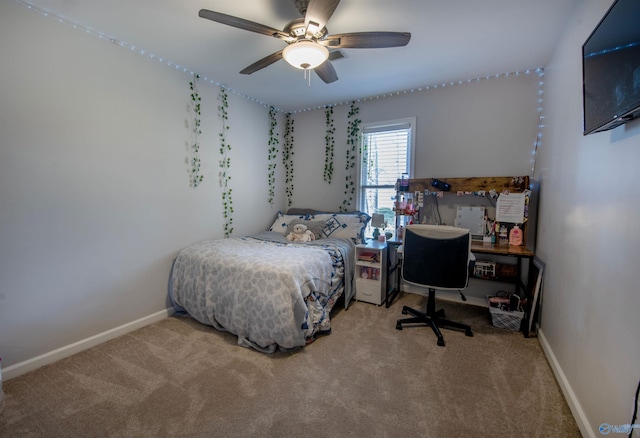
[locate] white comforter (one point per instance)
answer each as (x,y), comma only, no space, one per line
(269,292)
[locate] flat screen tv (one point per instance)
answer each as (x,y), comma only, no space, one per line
(611,69)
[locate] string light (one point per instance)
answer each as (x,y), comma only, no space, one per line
(164,61)
(538,71)
(133,48)
(541,117)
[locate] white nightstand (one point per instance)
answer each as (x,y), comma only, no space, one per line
(371,272)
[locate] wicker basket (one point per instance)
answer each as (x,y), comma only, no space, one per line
(510,320)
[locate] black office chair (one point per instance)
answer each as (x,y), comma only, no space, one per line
(435,257)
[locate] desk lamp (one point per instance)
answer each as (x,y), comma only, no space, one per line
(377,221)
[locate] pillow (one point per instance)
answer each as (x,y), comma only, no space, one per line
(344,225)
(281,224)
(302,211)
(309,211)
(316,227)
(340,225)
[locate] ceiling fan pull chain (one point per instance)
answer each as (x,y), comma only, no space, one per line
(307,75)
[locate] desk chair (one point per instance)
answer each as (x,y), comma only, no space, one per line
(435,257)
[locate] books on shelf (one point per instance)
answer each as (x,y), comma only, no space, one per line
(367,256)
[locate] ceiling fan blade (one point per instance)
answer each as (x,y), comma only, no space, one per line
(326,72)
(319,12)
(367,40)
(241,23)
(264,62)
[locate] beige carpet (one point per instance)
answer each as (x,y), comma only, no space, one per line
(177,378)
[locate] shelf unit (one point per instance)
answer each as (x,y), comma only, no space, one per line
(371,272)
(464,189)
(403,212)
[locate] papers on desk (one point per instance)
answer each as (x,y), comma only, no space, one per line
(510,208)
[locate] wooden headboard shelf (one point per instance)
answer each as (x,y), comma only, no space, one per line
(515,184)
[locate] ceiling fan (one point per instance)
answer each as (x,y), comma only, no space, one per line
(308,40)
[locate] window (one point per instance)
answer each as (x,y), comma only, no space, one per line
(387,153)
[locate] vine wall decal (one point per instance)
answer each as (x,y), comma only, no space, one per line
(329,147)
(225,164)
(353,134)
(272,154)
(287,157)
(195,176)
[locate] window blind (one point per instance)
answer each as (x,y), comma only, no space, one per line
(385,155)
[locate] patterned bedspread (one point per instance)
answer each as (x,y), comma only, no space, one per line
(269,292)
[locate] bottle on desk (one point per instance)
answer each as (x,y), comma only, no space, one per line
(515,236)
(503,237)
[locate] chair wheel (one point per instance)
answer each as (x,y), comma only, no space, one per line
(468,333)
(404,311)
(440,342)
(398,326)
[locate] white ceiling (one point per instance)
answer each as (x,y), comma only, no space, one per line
(452,40)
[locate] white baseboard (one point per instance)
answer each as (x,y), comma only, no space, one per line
(66,351)
(574,404)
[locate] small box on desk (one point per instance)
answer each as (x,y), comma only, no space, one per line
(484,269)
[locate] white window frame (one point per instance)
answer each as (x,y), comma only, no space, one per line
(383,126)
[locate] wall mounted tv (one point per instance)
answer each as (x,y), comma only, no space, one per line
(611,69)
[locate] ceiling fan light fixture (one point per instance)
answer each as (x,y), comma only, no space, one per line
(305,54)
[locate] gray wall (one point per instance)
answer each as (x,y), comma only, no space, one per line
(95,199)
(588,235)
(485,127)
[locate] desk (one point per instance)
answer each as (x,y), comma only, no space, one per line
(477,247)
(495,249)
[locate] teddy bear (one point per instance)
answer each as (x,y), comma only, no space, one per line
(300,233)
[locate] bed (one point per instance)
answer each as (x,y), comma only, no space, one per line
(270,292)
